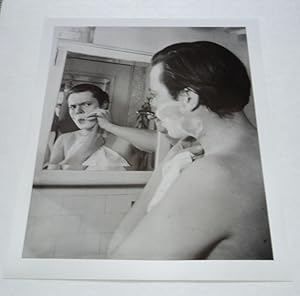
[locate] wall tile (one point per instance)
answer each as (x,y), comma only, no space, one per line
(110,222)
(104,241)
(55,225)
(100,223)
(38,246)
(73,205)
(77,246)
(71,223)
(95,205)
(118,204)
(91,244)
(66,224)
(45,204)
(68,246)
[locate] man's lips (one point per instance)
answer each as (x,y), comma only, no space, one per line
(83,120)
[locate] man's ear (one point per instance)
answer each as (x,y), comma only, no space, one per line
(189,98)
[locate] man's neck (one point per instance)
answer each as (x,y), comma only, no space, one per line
(222,135)
(95,129)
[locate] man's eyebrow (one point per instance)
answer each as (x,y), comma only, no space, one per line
(82,103)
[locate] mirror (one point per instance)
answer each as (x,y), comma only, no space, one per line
(85,79)
(124,84)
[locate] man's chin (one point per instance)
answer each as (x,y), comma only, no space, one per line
(85,126)
(166,133)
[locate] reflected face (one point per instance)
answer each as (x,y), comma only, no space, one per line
(80,105)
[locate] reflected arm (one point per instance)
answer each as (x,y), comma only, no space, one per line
(142,139)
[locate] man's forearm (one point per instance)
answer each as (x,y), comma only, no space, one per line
(142,139)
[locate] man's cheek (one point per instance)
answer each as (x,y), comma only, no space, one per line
(168,124)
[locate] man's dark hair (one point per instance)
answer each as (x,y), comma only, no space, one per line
(212,71)
(100,95)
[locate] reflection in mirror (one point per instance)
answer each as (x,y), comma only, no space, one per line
(97,95)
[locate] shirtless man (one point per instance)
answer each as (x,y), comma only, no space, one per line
(216,207)
(71,150)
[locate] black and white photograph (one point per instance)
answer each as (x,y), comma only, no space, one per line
(148,148)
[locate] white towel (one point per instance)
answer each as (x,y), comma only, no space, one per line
(170,171)
(105,159)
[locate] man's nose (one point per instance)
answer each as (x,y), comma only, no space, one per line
(78,109)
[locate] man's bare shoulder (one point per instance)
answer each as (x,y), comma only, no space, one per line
(216,165)
(207,187)
(193,209)
(207,171)
(203,207)
(68,137)
(71,134)
(202,186)
(211,184)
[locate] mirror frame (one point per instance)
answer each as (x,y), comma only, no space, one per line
(42,177)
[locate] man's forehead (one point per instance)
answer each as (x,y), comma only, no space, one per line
(77,98)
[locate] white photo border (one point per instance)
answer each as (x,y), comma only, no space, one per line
(190,270)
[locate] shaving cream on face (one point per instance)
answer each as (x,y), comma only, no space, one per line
(178,121)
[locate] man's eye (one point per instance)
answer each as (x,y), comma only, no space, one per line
(72,107)
(87,104)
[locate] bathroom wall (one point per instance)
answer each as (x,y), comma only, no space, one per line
(75,223)
(152,39)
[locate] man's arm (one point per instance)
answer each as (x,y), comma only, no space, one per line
(143,139)
(193,216)
(136,213)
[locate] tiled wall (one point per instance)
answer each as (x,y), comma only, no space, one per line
(74,223)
